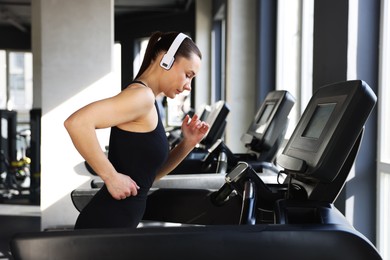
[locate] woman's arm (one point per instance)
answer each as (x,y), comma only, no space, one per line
(193,133)
(128,106)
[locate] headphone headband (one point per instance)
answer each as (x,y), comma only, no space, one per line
(169,57)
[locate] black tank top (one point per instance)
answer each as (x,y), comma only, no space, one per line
(139,154)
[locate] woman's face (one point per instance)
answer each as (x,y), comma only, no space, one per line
(180,76)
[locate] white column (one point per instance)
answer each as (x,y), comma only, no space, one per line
(73,66)
(240,70)
(204,21)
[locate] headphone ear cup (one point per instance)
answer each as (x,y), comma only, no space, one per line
(169,57)
(166,62)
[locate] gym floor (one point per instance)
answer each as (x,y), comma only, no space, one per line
(16,218)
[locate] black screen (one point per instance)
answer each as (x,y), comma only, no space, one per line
(263,119)
(318,120)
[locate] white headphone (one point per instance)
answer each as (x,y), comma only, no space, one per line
(169,57)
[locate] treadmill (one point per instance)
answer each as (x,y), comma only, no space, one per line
(243,216)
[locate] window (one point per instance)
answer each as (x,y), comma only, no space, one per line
(294,53)
(139,52)
(16,80)
(383,208)
(16,91)
(3,80)
(218,55)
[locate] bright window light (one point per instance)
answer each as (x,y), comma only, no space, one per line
(383,195)
(294,70)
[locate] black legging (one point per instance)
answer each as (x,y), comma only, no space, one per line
(103,211)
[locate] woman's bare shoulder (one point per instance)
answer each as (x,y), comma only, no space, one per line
(139,95)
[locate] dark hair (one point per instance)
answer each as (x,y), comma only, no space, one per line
(160,42)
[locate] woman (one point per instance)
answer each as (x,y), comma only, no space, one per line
(138,153)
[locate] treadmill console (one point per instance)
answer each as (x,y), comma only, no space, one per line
(270,121)
(216,118)
(327,130)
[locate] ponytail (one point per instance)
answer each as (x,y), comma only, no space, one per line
(150,52)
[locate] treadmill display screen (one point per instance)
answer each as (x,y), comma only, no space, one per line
(318,120)
(263,119)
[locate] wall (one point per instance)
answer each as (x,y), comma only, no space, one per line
(73,65)
(203,40)
(240,70)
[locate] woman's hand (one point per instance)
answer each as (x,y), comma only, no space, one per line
(121,186)
(194,129)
